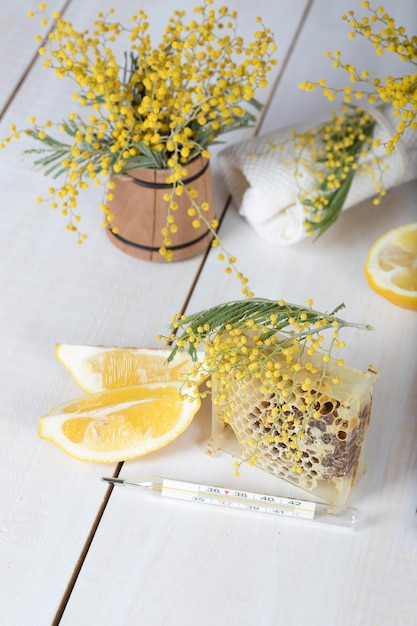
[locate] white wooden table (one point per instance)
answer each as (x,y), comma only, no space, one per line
(73,552)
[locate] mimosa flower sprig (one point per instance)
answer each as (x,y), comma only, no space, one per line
(329,156)
(159,108)
(244,337)
(277,346)
(399,91)
(337,152)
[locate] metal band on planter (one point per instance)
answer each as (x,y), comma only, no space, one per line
(156,249)
(152,185)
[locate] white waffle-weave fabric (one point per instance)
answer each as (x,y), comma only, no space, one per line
(265,189)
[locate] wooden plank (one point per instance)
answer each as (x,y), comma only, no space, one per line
(208,566)
(18,47)
(55,291)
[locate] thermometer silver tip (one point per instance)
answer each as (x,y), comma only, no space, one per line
(112,481)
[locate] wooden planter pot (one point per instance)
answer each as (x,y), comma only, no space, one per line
(140,212)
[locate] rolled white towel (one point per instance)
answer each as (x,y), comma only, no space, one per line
(263,181)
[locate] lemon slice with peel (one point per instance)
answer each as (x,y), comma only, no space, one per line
(391,266)
(120,424)
(98,368)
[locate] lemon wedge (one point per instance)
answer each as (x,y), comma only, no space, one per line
(99,368)
(120,424)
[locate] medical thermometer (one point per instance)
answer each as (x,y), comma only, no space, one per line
(290,508)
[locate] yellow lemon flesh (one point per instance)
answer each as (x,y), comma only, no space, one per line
(98,368)
(391,266)
(120,424)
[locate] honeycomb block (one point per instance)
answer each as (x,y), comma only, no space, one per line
(321,453)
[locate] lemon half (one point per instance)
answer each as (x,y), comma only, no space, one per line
(391,266)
